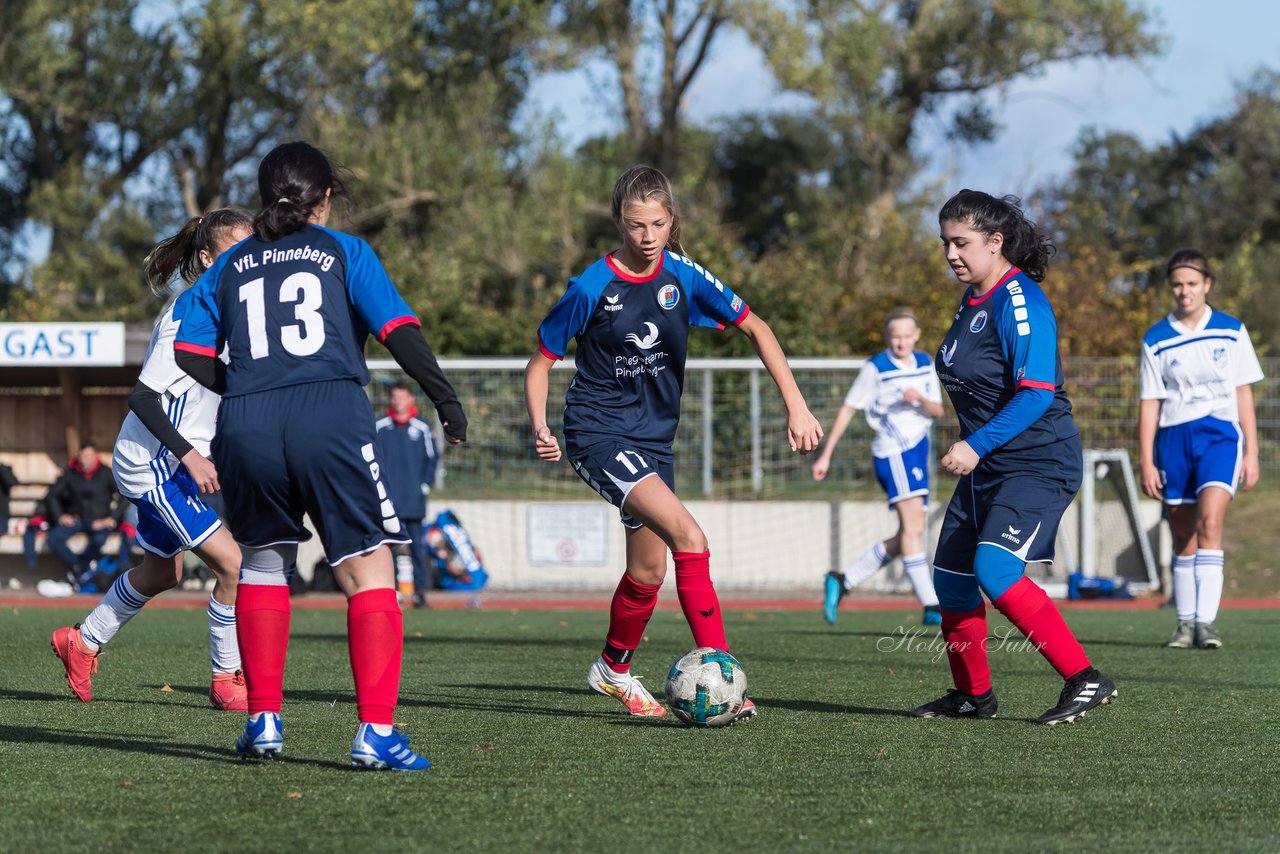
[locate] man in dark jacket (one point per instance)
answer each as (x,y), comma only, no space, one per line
(409,456)
(84,500)
(7,482)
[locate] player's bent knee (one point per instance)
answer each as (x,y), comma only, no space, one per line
(269,565)
(957,593)
(996,570)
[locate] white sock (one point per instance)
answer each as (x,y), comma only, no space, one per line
(113,611)
(224,649)
(1184,586)
(1208,584)
(868,564)
(921,576)
(381,729)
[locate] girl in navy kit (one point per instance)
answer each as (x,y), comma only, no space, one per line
(630,313)
(294,305)
(1019,458)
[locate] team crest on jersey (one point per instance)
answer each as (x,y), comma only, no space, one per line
(1219,356)
(668,296)
(979,321)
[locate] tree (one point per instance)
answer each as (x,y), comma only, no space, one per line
(874,69)
(670,36)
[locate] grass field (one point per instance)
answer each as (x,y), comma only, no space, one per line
(526,758)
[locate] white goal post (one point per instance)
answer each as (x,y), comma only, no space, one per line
(1114,524)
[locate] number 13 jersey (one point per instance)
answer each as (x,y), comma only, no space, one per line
(292,311)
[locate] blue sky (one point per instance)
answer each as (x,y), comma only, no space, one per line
(1212,45)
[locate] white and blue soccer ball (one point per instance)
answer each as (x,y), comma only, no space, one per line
(706,687)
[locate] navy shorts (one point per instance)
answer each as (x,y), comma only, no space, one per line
(1018,511)
(310,449)
(174,517)
(614,468)
(1200,453)
(906,474)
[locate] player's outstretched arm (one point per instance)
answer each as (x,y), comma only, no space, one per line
(823,463)
(413,354)
(536,375)
(803,430)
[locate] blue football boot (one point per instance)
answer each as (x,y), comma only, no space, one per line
(261,739)
(833,592)
(385,752)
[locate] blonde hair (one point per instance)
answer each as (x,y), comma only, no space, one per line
(901,313)
(641,184)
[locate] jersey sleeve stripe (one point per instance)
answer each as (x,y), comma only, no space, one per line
(746,309)
(198,349)
(542,348)
(1025,383)
(394,324)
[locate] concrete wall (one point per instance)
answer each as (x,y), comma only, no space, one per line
(762,547)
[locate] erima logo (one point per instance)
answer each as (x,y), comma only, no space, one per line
(948,356)
(708,613)
(1012,535)
(613,304)
(1013,530)
(648,341)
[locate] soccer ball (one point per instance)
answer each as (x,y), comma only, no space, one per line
(706,687)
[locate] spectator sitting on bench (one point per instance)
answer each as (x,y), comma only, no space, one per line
(83,500)
(7,482)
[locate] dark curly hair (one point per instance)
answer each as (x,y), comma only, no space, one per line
(1025,245)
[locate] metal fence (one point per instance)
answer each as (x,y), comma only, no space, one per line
(732,437)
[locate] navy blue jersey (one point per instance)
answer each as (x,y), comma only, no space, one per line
(633,336)
(1003,341)
(295,310)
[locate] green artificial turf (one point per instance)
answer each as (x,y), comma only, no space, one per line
(526,758)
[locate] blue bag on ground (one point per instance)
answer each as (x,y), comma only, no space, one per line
(460,565)
(1081,586)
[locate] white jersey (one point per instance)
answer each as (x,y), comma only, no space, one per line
(140,462)
(1194,373)
(878,391)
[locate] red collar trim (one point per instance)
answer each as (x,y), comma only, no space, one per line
(400,421)
(972,300)
(634,279)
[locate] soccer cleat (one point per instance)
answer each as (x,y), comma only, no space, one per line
(261,739)
(385,752)
(227,692)
(957,704)
(1206,637)
(932,616)
(79,662)
(1082,692)
(833,591)
(626,689)
(746,713)
(1183,636)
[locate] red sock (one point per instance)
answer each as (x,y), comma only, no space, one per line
(262,630)
(629,613)
(966,635)
(375,640)
(698,598)
(1035,615)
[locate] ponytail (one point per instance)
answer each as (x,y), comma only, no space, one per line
(292,181)
(181,253)
(1025,245)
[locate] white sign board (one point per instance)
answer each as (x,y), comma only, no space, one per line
(61,344)
(569,534)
